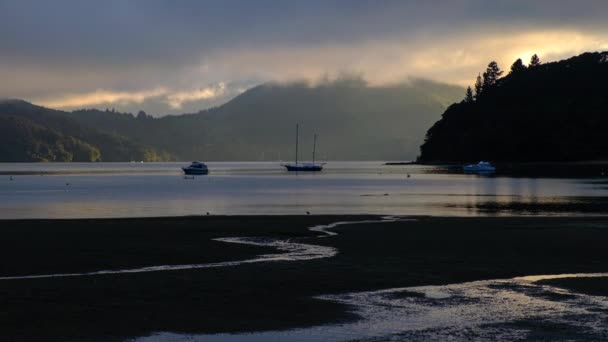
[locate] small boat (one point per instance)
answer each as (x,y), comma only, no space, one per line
(304,166)
(196,168)
(481,167)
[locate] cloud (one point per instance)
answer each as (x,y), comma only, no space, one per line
(176,100)
(156,54)
(459,60)
(101,97)
(454,58)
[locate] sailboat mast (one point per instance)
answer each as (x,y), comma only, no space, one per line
(314,148)
(297,131)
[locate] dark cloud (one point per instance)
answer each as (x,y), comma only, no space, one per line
(52,48)
(123,31)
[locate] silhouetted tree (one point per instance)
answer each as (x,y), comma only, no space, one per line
(478,86)
(142,115)
(534,61)
(518,66)
(468,97)
(491,75)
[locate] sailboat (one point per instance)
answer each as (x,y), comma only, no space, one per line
(304,166)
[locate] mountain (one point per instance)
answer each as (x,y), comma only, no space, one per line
(30,133)
(550,112)
(354,121)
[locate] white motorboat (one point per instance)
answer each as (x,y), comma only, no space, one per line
(481,167)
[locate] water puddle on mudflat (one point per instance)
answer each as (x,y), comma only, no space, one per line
(289,251)
(489,310)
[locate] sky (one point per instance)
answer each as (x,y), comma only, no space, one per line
(170,57)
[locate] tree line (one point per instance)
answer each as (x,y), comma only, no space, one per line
(537,112)
(491,76)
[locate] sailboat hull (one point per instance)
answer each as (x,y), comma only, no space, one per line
(303,167)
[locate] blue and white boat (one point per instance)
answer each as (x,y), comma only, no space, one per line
(196,168)
(481,167)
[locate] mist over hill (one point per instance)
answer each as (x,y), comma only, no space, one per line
(543,112)
(353,121)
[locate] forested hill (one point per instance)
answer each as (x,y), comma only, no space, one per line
(30,133)
(542,112)
(353,121)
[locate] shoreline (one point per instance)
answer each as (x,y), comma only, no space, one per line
(485,210)
(274,295)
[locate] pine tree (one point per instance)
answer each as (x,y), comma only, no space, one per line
(478,86)
(534,61)
(485,78)
(468,97)
(518,66)
(491,75)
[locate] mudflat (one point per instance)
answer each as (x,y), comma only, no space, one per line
(264,295)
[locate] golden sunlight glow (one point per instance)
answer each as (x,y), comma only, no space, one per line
(175,99)
(101,97)
(453,59)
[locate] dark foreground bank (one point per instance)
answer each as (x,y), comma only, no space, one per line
(262,296)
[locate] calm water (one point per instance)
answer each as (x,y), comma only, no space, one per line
(54,190)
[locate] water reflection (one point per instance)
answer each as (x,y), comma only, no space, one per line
(159,189)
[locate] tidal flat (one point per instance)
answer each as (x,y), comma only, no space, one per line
(276,294)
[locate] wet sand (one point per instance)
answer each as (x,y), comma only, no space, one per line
(260,296)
